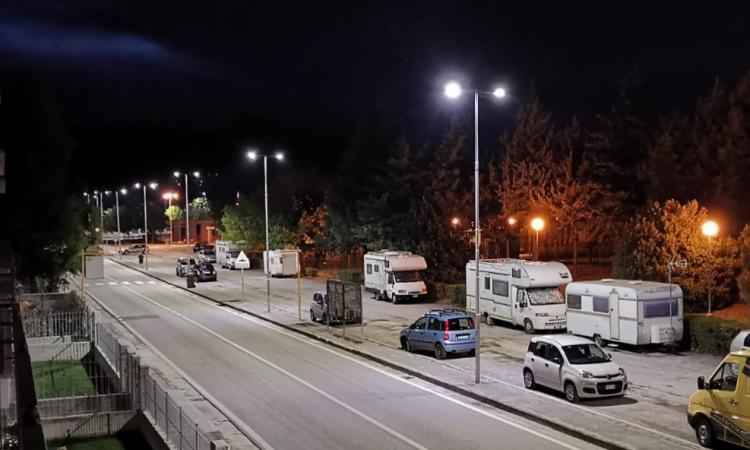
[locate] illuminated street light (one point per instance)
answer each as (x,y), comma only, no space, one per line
(455,221)
(196,174)
(169,196)
(537,224)
(253,155)
(452,90)
(511,221)
(153,186)
(710,229)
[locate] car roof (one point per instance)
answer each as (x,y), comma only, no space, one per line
(563,339)
(447,313)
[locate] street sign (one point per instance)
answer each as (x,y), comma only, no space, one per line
(242,262)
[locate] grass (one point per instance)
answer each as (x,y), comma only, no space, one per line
(109,443)
(61,379)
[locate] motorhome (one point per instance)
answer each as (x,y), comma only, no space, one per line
(282,263)
(226,253)
(395,275)
(523,293)
(626,311)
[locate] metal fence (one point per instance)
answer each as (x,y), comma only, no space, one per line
(76,323)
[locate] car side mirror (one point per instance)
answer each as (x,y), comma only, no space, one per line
(701,383)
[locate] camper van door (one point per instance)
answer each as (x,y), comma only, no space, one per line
(614,316)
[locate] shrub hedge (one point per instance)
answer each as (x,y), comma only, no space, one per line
(351,275)
(456,293)
(711,334)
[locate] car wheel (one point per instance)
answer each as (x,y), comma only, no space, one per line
(528,327)
(394,299)
(312,316)
(405,344)
(528,379)
(599,341)
(571,394)
(490,321)
(704,433)
(440,352)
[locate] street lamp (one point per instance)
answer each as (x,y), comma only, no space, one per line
(153,186)
(122,191)
(455,222)
(453,90)
(511,223)
(196,174)
(253,155)
(710,229)
(169,196)
(537,224)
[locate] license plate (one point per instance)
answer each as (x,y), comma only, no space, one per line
(610,387)
(462,337)
(415,295)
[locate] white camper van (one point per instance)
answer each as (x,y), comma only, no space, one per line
(226,253)
(283,263)
(525,293)
(631,312)
(394,275)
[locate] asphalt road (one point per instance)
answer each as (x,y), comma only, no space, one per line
(297,393)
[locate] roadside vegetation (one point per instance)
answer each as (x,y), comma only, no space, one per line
(54,379)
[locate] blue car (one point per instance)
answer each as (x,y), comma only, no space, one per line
(443,331)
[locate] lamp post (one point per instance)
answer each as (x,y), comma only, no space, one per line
(122,191)
(453,90)
(101,217)
(169,196)
(153,186)
(511,222)
(253,155)
(196,174)
(537,224)
(710,229)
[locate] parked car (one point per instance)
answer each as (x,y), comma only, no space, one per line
(134,249)
(229,260)
(318,307)
(719,409)
(442,331)
(184,266)
(204,272)
(573,365)
(208,256)
(740,342)
(198,246)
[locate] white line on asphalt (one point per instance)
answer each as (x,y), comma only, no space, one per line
(125,282)
(112,283)
(236,421)
(139,282)
(152,282)
(330,397)
(364,364)
(100,284)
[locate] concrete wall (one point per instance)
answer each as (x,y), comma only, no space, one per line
(86,425)
(71,351)
(56,407)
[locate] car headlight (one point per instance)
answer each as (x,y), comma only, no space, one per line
(622,371)
(586,375)
(543,314)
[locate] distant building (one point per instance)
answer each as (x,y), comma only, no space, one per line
(200,230)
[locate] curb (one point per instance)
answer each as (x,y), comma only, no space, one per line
(591,438)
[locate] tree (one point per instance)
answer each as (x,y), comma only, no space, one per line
(174,212)
(673,230)
(243,223)
(743,280)
(311,228)
(200,209)
(280,237)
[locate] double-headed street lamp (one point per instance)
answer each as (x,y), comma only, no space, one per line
(170,196)
(196,174)
(453,90)
(153,186)
(253,155)
(710,229)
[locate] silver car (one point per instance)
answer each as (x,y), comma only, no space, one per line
(740,342)
(573,365)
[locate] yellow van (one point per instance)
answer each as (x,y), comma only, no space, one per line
(720,408)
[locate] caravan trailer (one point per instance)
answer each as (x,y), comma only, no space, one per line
(630,312)
(395,275)
(524,293)
(282,263)
(226,253)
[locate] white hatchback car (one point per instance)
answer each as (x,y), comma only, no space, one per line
(740,342)
(573,365)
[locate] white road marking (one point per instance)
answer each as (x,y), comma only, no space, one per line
(100,284)
(330,397)
(112,283)
(364,364)
(139,282)
(125,282)
(152,282)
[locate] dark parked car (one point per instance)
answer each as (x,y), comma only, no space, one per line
(198,246)
(134,249)
(442,331)
(184,266)
(205,272)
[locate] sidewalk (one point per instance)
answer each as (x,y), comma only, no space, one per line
(634,421)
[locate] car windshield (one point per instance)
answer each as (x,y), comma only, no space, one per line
(545,296)
(585,354)
(407,276)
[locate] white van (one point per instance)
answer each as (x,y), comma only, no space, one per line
(282,263)
(628,311)
(524,293)
(226,253)
(394,275)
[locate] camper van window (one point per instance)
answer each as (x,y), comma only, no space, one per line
(601,304)
(377,269)
(574,301)
(407,276)
(500,288)
(387,264)
(545,296)
(487,283)
(390,278)
(659,308)
(369,269)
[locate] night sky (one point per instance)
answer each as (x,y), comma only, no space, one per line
(169,84)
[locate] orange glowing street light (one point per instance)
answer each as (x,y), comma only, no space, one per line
(512,221)
(710,229)
(455,221)
(537,224)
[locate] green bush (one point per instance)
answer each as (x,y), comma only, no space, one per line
(456,293)
(351,276)
(711,334)
(311,272)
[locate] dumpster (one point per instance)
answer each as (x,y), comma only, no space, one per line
(190,280)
